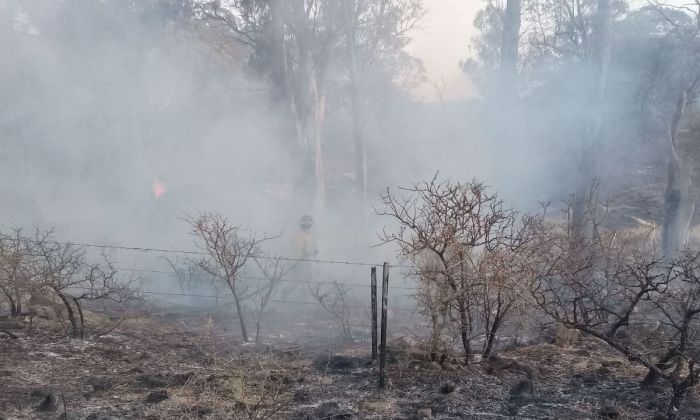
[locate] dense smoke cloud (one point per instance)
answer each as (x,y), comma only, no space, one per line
(119,121)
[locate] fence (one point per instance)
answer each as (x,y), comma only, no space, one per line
(361,310)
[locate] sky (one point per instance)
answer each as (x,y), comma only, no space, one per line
(442,41)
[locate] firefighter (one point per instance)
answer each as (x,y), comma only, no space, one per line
(303,248)
(304,245)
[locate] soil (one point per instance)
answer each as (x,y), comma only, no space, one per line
(189,367)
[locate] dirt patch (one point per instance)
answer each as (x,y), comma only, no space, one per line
(157,369)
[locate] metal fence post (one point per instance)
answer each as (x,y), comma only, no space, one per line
(385,304)
(373,274)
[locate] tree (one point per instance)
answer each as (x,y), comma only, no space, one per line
(555,55)
(337,301)
(591,138)
(472,255)
(671,84)
(298,44)
(37,268)
(273,270)
(16,273)
(509,44)
(227,248)
(65,272)
(641,305)
(681,193)
(34,268)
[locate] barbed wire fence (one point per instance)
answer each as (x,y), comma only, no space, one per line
(161,284)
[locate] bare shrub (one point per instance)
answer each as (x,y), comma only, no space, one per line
(65,272)
(338,302)
(615,289)
(273,270)
(49,279)
(15,269)
(227,248)
(472,256)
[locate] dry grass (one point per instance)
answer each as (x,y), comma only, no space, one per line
(209,376)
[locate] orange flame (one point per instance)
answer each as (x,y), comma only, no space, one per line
(159,188)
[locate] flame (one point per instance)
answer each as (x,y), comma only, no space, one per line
(159,188)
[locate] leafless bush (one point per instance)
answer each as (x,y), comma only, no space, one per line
(40,273)
(613,288)
(190,276)
(472,255)
(273,270)
(338,302)
(15,269)
(227,248)
(66,273)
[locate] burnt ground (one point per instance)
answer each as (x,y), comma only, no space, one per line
(169,367)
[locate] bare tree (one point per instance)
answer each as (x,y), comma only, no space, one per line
(680,78)
(680,200)
(227,248)
(298,43)
(597,57)
(274,270)
(510,44)
(62,271)
(338,302)
(16,273)
(461,239)
(620,292)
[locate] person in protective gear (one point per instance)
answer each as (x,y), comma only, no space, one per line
(304,245)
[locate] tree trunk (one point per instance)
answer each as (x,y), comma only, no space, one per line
(491,334)
(591,140)
(679,202)
(307,102)
(261,312)
(680,390)
(358,141)
(318,118)
(18,302)
(679,208)
(509,44)
(258,326)
(664,363)
(81,317)
(464,329)
(13,306)
(239,310)
(71,315)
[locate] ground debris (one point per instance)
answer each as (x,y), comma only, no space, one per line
(329,410)
(424,414)
(339,363)
(524,386)
(99,383)
(50,403)
(609,410)
(152,380)
(447,387)
(161,379)
(157,396)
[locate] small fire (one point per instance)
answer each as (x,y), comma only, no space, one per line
(159,188)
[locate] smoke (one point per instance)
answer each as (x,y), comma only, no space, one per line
(120,121)
(120,126)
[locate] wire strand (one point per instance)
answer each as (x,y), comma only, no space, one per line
(246,277)
(185,252)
